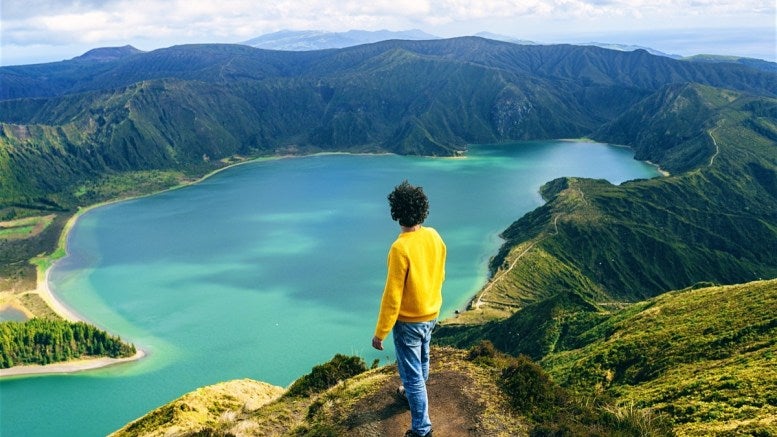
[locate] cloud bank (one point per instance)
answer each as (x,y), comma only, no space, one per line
(151,24)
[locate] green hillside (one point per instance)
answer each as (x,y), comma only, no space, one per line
(567,268)
(185,108)
(608,244)
(706,357)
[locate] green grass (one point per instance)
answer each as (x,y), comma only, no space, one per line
(705,356)
(128,184)
(17,231)
(24,227)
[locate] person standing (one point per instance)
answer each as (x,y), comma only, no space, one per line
(412,298)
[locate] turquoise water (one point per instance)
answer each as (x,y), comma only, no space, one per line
(269,268)
(12,314)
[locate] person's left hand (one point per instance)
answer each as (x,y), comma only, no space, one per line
(377,343)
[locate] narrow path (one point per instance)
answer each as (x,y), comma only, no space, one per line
(479,300)
(224,67)
(717,148)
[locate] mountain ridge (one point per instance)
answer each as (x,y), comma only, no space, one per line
(342,100)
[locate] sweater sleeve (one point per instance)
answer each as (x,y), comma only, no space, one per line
(392,293)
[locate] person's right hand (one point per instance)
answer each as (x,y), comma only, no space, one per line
(377,343)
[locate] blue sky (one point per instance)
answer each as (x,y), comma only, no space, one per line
(33,31)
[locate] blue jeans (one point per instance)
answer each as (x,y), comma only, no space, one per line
(411,341)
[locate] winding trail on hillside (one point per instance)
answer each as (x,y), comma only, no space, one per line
(717,148)
(224,67)
(477,304)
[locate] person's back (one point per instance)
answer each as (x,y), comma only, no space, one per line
(425,254)
(412,298)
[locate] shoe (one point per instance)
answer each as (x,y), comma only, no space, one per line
(411,433)
(401,395)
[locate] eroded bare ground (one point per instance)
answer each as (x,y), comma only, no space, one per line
(463,401)
(453,411)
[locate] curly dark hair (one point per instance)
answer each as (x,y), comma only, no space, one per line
(409,204)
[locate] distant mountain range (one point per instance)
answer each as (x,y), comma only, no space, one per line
(320,40)
(297,40)
(120,109)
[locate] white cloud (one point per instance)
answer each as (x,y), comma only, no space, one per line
(158,23)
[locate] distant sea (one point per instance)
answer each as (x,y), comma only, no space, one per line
(752,42)
(268,268)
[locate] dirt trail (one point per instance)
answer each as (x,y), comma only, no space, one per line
(452,410)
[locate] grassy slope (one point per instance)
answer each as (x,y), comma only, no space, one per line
(568,266)
(612,244)
(706,356)
(702,359)
(480,392)
(205,407)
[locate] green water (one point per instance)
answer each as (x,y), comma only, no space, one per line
(269,268)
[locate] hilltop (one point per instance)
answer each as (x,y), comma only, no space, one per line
(464,397)
(628,373)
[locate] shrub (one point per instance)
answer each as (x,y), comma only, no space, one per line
(483,353)
(637,421)
(326,375)
(530,389)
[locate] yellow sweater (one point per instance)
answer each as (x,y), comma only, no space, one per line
(416,271)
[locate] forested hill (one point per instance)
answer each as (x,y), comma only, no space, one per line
(187,107)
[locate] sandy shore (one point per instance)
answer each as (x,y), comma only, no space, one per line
(73,366)
(44,291)
(79,365)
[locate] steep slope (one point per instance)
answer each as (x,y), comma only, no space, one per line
(714,222)
(464,400)
(704,356)
(187,107)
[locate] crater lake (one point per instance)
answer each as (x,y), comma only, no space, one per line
(271,267)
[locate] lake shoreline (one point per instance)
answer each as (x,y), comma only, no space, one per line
(44,291)
(71,366)
(57,306)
